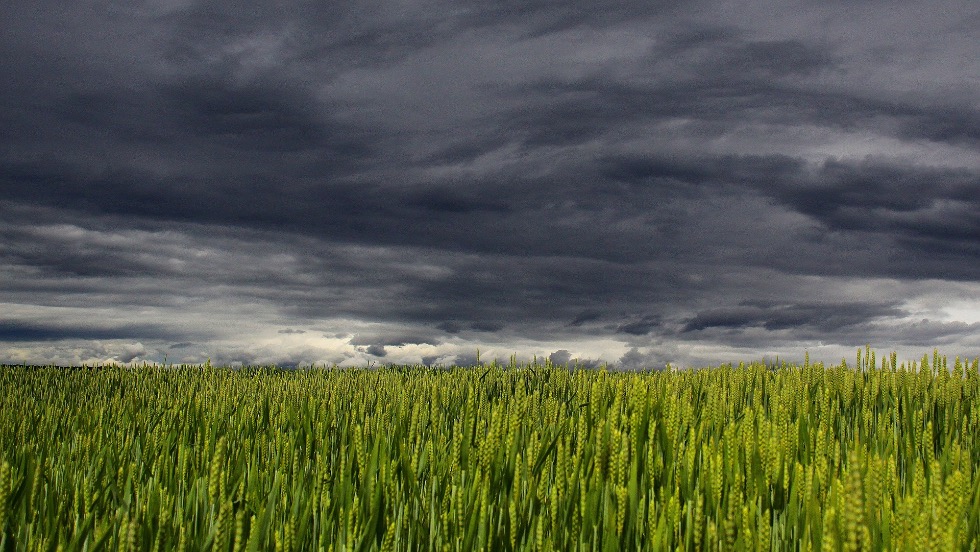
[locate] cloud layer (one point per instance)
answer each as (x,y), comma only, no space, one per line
(624,181)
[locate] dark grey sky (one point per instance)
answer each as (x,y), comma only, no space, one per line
(631,181)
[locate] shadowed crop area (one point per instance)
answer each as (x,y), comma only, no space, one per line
(872,456)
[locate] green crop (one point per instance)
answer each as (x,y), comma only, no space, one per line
(516,457)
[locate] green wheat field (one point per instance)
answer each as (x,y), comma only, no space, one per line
(878,455)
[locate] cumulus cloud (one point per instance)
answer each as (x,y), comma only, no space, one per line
(376,350)
(634,359)
(560,357)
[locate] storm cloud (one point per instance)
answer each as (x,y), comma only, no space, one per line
(635,182)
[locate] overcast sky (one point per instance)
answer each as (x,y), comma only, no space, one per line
(628,181)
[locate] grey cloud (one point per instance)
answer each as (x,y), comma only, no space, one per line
(292,331)
(130,354)
(589,363)
(932,333)
(635,359)
(377,345)
(562,357)
(395,340)
(467,359)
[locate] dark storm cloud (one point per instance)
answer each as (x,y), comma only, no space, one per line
(585,317)
(543,16)
(641,327)
(265,117)
(928,212)
(884,196)
(64,250)
(718,93)
(449,327)
(776,58)
(827,317)
(436,201)
(16,331)
(455,174)
(243,126)
(232,151)
(486,326)
(703,171)
(955,125)
(510,288)
(723,86)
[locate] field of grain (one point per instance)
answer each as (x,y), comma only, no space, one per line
(871,456)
